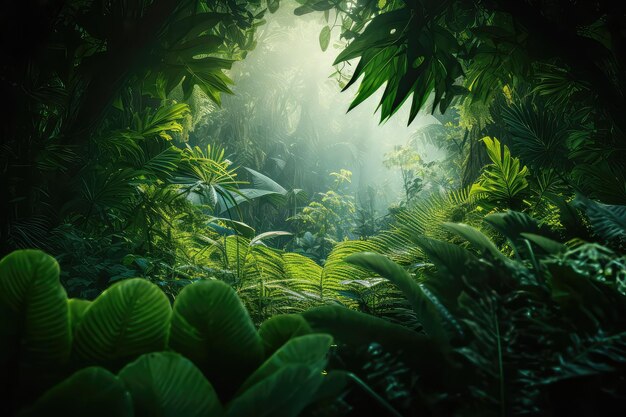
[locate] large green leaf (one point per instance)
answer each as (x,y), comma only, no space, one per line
(452,260)
(309,350)
(92,392)
(358,329)
(511,224)
(35,337)
(283,394)
(30,292)
(268,235)
(167,384)
(476,238)
(128,319)
(304,275)
(263,182)
(550,246)
(276,331)
(594,306)
(241,228)
(211,327)
(428,310)
(411,54)
(355,328)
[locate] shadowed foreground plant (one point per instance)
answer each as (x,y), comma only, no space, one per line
(503,337)
(121,354)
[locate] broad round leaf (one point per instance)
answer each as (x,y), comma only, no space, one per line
(211,327)
(30,292)
(308,350)
(277,330)
(167,384)
(35,337)
(126,320)
(92,392)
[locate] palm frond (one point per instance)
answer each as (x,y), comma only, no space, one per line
(607,221)
(158,161)
(539,135)
(504,180)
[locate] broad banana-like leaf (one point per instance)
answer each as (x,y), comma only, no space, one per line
(211,327)
(128,319)
(167,384)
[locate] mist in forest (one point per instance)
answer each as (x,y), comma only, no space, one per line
(288,103)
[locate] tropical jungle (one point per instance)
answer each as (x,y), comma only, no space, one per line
(231,208)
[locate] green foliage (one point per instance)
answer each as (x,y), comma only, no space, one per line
(409,55)
(607,221)
(203,310)
(276,331)
(359,329)
(129,318)
(504,180)
(307,350)
(168,384)
(423,48)
(502,308)
(269,396)
(211,335)
(539,135)
(96,109)
(426,310)
(32,296)
(325,38)
(408,160)
(473,310)
(91,391)
(107,165)
(36,341)
(329,218)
